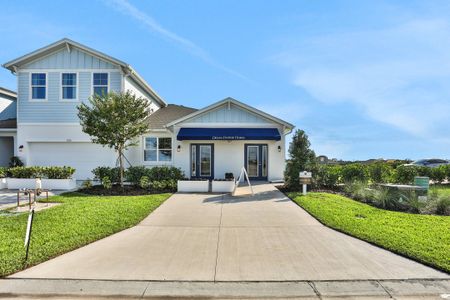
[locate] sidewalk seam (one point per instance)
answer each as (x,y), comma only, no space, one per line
(313,286)
(384,288)
(218,239)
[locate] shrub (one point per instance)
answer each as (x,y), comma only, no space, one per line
(57,172)
(438,174)
(405,174)
(87,184)
(144,182)
(15,162)
(106,182)
(165,173)
(327,176)
(111,173)
(134,174)
(380,172)
(26,172)
(164,185)
(354,172)
(3,172)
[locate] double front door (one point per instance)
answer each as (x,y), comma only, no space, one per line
(256,161)
(202,161)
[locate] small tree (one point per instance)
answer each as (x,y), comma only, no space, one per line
(302,158)
(115,120)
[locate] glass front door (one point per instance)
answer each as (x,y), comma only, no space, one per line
(256,161)
(202,161)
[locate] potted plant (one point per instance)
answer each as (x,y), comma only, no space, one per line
(193,185)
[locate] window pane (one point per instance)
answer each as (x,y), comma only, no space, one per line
(150,143)
(165,155)
(38,93)
(38,79)
(69,79)
(69,93)
(150,155)
(100,78)
(100,90)
(165,143)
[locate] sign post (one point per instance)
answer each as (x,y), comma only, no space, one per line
(305,179)
(28,233)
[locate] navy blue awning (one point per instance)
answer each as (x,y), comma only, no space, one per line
(229,134)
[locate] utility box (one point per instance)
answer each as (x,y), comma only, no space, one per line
(422,181)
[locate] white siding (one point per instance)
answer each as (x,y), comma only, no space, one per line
(132,86)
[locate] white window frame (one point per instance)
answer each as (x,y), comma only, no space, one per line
(31,99)
(77,88)
(157,161)
(92,81)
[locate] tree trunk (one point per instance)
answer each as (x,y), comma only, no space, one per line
(121,165)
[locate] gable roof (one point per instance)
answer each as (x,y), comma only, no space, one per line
(14,64)
(230,100)
(171,112)
(8,94)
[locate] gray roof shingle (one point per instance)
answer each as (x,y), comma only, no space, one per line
(167,114)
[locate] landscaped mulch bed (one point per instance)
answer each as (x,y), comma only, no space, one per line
(117,190)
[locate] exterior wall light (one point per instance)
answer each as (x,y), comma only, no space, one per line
(279,148)
(179,148)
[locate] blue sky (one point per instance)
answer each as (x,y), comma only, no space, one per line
(364,79)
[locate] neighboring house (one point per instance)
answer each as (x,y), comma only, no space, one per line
(323,159)
(205,143)
(7,125)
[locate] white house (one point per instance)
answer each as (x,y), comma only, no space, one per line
(205,143)
(7,125)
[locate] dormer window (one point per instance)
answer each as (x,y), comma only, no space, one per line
(38,86)
(100,84)
(69,86)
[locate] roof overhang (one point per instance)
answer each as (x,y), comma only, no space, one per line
(66,43)
(229,134)
(288,126)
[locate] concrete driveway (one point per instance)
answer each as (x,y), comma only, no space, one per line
(198,237)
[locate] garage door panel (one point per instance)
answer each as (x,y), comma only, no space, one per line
(82,156)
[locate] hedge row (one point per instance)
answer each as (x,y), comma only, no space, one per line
(134,174)
(380,172)
(41,172)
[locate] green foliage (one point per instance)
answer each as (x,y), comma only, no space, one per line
(112,173)
(327,176)
(406,174)
(78,221)
(380,172)
(115,120)
(358,190)
(43,172)
(134,174)
(106,182)
(420,237)
(3,172)
(302,158)
(354,172)
(15,162)
(164,185)
(144,182)
(87,184)
(438,174)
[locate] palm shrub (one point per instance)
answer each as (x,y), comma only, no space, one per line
(144,182)
(106,182)
(358,190)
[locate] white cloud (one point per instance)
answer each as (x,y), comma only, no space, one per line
(126,8)
(399,76)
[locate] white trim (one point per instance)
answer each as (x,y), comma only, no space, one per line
(8,129)
(77,88)
(70,70)
(228,125)
(30,88)
(92,81)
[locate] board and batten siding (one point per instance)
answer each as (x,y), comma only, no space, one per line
(75,59)
(53,110)
(225,114)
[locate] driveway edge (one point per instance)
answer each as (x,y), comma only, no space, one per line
(383,289)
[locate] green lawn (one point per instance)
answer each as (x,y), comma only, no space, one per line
(79,220)
(424,238)
(442,189)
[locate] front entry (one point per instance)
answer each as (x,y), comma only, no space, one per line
(202,161)
(256,161)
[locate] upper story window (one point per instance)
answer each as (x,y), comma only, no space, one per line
(38,86)
(100,83)
(157,149)
(69,86)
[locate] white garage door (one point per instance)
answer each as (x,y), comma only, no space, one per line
(82,156)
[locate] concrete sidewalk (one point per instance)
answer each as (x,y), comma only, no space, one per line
(98,289)
(200,237)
